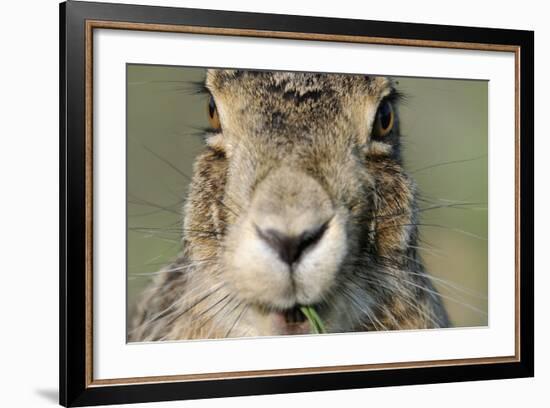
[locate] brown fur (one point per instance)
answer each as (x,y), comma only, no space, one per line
(295,150)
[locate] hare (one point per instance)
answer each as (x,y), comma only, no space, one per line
(299,199)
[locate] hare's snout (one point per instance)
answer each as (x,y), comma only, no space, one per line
(288,247)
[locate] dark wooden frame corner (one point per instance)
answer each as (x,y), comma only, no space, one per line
(77,22)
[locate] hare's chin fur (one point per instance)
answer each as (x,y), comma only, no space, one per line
(259,276)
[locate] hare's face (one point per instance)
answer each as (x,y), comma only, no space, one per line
(313,190)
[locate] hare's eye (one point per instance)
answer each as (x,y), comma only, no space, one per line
(213,117)
(384,120)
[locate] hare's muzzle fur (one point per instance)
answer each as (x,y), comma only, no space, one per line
(289,206)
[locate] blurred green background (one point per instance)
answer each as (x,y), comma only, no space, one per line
(445,133)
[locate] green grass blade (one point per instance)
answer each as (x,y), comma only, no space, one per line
(314,319)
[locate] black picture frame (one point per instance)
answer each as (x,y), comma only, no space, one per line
(76,389)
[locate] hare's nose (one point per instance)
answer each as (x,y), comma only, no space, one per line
(290,247)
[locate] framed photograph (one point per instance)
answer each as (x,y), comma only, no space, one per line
(256,204)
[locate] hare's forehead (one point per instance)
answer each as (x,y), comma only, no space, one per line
(295,84)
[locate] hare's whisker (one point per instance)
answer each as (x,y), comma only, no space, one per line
(173,270)
(178,314)
(459,206)
(458,230)
(429,249)
(446,282)
(407,298)
(175,168)
(237,320)
(221,316)
(168,311)
(447,163)
(142,202)
(363,308)
(209,308)
(433,292)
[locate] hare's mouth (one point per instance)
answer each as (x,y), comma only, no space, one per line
(293,315)
(298,319)
(291,321)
